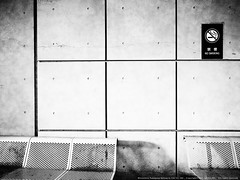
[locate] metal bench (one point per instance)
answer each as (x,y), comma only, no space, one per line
(214,157)
(59,158)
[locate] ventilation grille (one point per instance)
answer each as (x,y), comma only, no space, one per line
(75,175)
(44,155)
(237,149)
(12,153)
(93,157)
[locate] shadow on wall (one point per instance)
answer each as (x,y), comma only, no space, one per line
(144,159)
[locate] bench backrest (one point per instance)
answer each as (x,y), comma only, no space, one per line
(213,152)
(76,154)
(13,151)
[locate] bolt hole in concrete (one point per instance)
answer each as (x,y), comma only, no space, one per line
(24,112)
(194,7)
(53,9)
(122,42)
(122,7)
(87,8)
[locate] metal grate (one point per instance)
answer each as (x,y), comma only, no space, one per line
(93,157)
(237,149)
(219,155)
(210,152)
(76,175)
(48,155)
(12,153)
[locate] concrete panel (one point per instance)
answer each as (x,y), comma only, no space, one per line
(16,67)
(83,134)
(140,29)
(141,95)
(71,95)
(193,13)
(183,168)
(71,29)
(208,95)
(146,153)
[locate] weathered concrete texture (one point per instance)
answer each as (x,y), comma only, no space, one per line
(141,95)
(71,29)
(71,95)
(193,13)
(16,67)
(183,167)
(146,153)
(140,29)
(208,95)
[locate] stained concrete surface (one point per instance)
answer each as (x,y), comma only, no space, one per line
(145,153)
(16,67)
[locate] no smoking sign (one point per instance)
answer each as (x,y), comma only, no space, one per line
(212,41)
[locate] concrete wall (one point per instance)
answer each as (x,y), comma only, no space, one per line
(16,67)
(82,94)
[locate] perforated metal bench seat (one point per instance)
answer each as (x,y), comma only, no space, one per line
(58,158)
(214,157)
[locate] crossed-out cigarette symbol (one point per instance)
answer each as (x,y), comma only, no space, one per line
(212,35)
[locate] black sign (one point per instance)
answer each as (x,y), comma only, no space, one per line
(212,41)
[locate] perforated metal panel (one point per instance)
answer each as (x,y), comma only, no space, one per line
(45,153)
(237,150)
(210,153)
(219,154)
(13,151)
(94,155)
(76,175)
